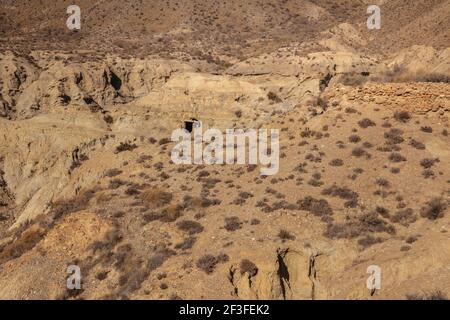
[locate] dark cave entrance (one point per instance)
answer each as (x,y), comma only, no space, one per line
(190,124)
(115,81)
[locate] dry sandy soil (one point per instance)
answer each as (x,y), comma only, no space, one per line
(86,176)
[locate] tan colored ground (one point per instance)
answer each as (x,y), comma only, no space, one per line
(86,176)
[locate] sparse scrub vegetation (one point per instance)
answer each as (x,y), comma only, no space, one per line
(116,183)
(285,235)
(359,152)
(246,266)
(394,136)
(427,163)
(186,244)
(365,123)
(208,262)
(22,243)
(156,198)
(78,203)
(434,209)
(354,138)
(232,224)
(402,116)
(396,157)
(368,240)
(113,172)
(435,295)
(190,227)
(417,144)
(404,217)
(342,193)
(125,146)
(273,97)
(336,163)
(353,159)
(320,208)
(364,225)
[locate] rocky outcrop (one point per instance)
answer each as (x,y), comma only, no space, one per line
(31,90)
(287,275)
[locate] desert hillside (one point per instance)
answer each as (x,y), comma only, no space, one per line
(224,29)
(87,176)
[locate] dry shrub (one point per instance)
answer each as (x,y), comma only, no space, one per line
(159,258)
(113,172)
(400,74)
(427,173)
(131,268)
(383,212)
(402,116)
(169,214)
(434,209)
(396,157)
(134,271)
(369,240)
(365,224)
(232,224)
(108,119)
(342,193)
(411,239)
(422,76)
(273,97)
(285,235)
(427,163)
(156,198)
(336,163)
(365,123)
(394,136)
(132,191)
(191,203)
(354,138)
(382,182)
(116,184)
(23,242)
(189,226)
(359,152)
(404,217)
(353,79)
(125,146)
(103,197)
(210,202)
(208,262)
(319,208)
(78,203)
(435,295)
(110,240)
(186,244)
(246,266)
(164,141)
(417,144)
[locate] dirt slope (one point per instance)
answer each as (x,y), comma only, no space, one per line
(233,28)
(86,176)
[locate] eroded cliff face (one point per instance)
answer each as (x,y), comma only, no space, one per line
(86,176)
(288,275)
(56,110)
